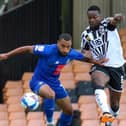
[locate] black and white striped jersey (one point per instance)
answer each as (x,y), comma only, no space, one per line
(104,42)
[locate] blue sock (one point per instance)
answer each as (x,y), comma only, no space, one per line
(49,106)
(65,120)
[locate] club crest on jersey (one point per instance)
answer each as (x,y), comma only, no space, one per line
(57,62)
(40,48)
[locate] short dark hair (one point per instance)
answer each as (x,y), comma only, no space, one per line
(94,8)
(65,36)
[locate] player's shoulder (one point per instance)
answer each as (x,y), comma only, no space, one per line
(51,48)
(46,48)
(105,21)
(85,32)
(74,52)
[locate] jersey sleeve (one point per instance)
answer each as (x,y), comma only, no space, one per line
(84,42)
(41,50)
(109,25)
(76,55)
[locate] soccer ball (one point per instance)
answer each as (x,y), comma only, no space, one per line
(30,101)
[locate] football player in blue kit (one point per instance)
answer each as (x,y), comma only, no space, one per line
(45,81)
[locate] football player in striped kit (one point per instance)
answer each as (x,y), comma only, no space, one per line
(101,40)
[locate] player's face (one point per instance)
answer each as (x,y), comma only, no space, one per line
(94,19)
(64,46)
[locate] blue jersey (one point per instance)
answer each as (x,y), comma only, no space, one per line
(51,62)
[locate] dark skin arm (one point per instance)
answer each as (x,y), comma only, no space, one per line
(88,58)
(93,61)
(29,49)
(20,50)
(117,19)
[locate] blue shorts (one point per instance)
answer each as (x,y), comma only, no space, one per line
(59,90)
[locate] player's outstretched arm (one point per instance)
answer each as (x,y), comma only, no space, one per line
(20,50)
(117,18)
(93,61)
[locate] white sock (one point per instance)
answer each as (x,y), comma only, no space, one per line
(115,114)
(101,100)
(50,122)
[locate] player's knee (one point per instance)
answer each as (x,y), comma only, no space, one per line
(97,86)
(51,95)
(68,111)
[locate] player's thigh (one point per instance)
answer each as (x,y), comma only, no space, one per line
(46,92)
(65,105)
(99,75)
(42,89)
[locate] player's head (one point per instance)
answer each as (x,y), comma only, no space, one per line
(64,43)
(94,16)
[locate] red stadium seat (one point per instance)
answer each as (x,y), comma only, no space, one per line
(27,76)
(4,122)
(35,116)
(88,111)
(17,115)
(86,99)
(3,107)
(36,123)
(3,115)
(18,122)
(15,108)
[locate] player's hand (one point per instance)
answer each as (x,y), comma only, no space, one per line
(3,56)
(118,17)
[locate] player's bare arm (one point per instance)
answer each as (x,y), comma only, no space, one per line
(87,53)
(93,61)
(20,50)
(117,18)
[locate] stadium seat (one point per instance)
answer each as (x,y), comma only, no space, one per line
(123,99)
(81,68)
(13,100)
(73,95)
(12,84)
(88,111)
(13,92)
(75,106)
(3,107)
(68,84)
(17,115)
(67,68)
(82,77)
(122,32)
(122,123)
(67,76)
(35,116)
(90,123)
(3,116)
(86,99)
(4,122)
(15,108)
(122,114)
(36,122)
(84,88)
(27,76)
(18,122)
(26,84)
